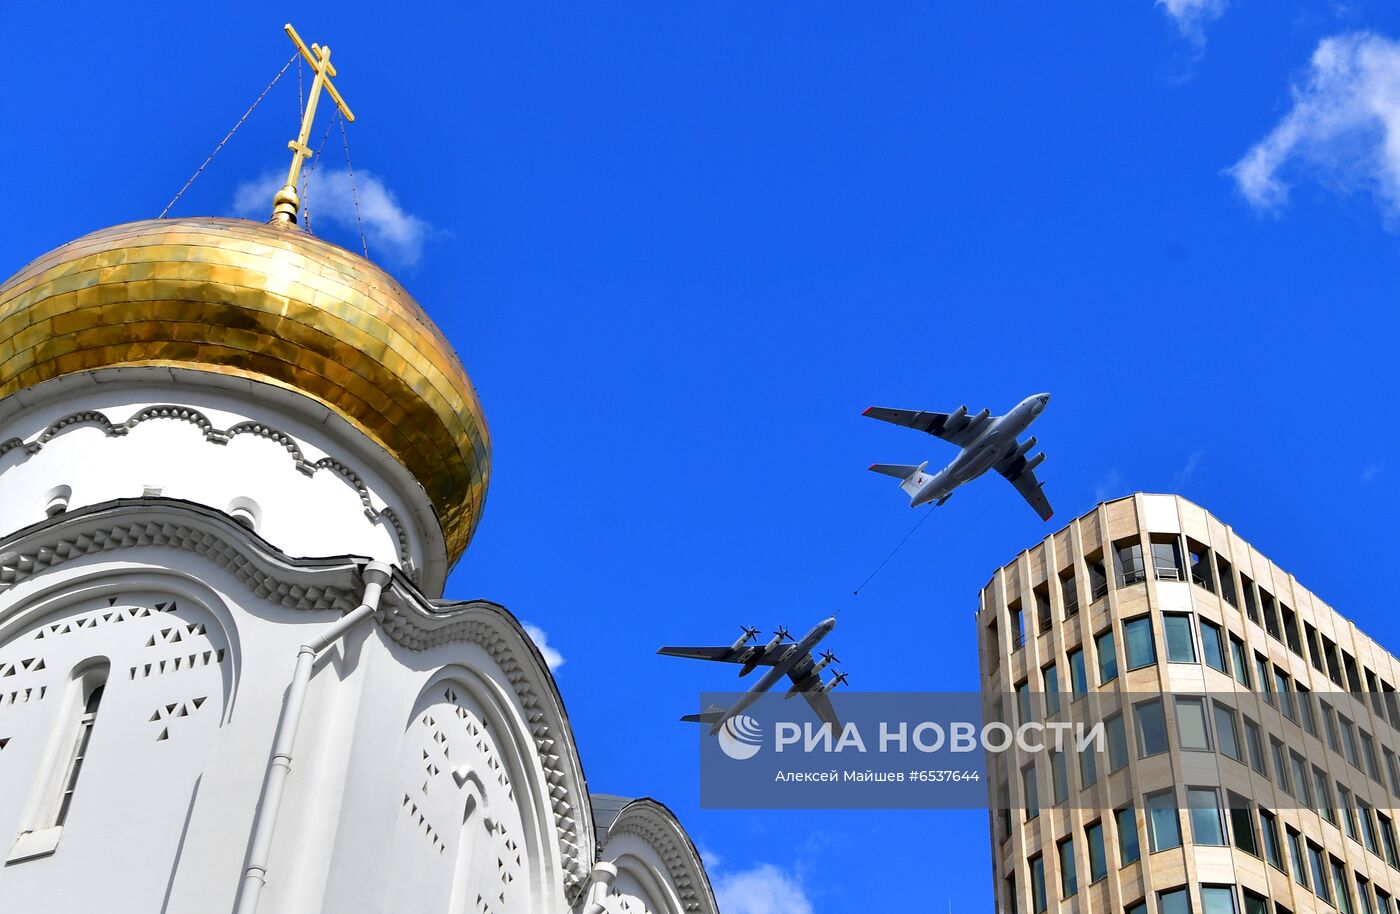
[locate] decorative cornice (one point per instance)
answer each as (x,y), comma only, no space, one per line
(212,435)
(133,522)
(656,825)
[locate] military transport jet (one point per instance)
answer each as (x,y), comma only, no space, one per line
(793,660)
(987,442)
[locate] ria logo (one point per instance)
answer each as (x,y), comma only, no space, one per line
(741,737)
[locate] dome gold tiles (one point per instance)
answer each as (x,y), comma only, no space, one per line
(267,303)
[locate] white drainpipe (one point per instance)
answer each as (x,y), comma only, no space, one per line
(599,885)
(376,575)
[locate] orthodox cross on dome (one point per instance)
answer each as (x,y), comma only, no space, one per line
(287,203)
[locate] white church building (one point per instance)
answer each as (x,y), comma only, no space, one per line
(236,465)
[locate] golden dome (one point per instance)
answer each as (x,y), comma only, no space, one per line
(268,303)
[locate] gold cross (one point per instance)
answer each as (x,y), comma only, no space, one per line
(287,203)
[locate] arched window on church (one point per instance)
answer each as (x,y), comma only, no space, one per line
(58,774)
(91,698)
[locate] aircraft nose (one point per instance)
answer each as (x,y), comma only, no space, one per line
(1040,401)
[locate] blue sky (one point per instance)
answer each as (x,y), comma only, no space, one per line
(679,249)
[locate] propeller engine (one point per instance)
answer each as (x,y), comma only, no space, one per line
(837,680)
(779,637)
(828,658)
(749,635)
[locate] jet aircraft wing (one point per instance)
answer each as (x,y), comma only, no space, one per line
(956,427)
(1023,478)
(727,654)
(810,684)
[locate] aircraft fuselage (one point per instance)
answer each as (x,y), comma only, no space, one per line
(982,453)
(793,655)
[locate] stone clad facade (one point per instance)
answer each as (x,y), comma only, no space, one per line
(1256,766)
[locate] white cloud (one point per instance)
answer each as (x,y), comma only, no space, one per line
(1343,128)
(393,234)
(1192,16)
(1109,486)
(552,658)
(1188,470)
(764,889)
(1369,474)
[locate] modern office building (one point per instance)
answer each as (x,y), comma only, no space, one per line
(1250,763)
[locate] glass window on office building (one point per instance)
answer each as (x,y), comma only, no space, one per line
(1050,677)
(1241,814)
(1069,592)
(1059,776)
(1163,822)
(1181,647)
(1368,756)
(1137,635)
(1254,745)
(1174,901)
(1280,765)
(1078,678)
(1098,862)
(1038,900)
(1069,879)
(1088,768)
(1227,732)
(1365,818)
(1107,657)
(1212,648)
(1166,557)
(1323,793)
(1207,823)
(1317,871)
(1387,830)
(1218,899)
(1349,743)
(1329,726)
(1239,660)
(1345,808)
(1285,694)
(1268,831)
(1117,742)
(1297,858)
(1127,562)
(1306,715)
(1191,728)
(1340,887)
(1151,727)
(1125,820)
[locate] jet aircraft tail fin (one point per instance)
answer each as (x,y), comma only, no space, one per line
(911,477)
(712,716)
